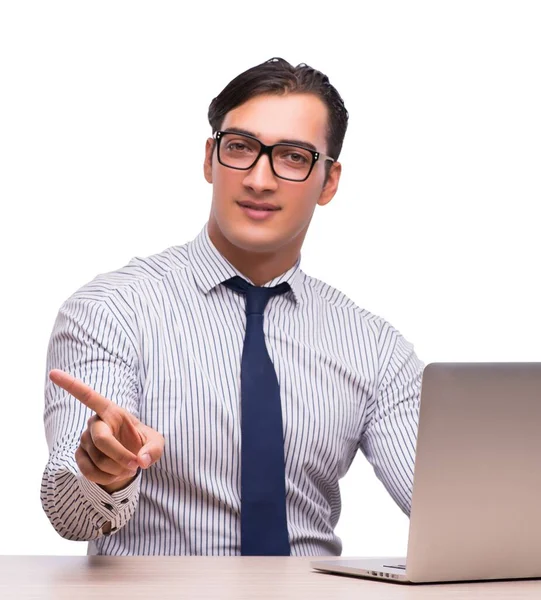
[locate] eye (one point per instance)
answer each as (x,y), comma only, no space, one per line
(237,146)
(297,158)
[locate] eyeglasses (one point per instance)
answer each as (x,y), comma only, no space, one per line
(288,161)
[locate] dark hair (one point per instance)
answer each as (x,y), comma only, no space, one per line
(277,76)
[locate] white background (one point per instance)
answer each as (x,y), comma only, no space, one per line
(435,225)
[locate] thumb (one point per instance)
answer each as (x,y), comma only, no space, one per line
(149,454)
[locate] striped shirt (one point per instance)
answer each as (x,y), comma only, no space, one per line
(163,339)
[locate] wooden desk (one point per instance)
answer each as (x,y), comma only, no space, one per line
(209,577)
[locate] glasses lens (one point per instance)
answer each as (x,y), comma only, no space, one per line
(291,162)
(238,151)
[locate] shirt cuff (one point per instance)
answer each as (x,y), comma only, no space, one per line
(112,507)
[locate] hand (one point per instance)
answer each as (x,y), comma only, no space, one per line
(115,442)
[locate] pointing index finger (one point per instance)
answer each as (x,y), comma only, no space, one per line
(84,393)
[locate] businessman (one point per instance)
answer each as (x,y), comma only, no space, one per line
(208,399)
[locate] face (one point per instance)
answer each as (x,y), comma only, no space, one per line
(271,119)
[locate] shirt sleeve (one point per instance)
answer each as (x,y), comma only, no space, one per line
(89,341)
(389,436)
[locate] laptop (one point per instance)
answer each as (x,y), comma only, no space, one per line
(476,500)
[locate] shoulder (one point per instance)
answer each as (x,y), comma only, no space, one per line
(351,322)
(333,300)
(136,277)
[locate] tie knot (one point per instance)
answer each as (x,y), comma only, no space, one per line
(257,297)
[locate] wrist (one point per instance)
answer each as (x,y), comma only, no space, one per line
(118,485)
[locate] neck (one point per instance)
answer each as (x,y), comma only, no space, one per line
(258,267)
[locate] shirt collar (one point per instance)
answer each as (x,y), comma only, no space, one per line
(210,268)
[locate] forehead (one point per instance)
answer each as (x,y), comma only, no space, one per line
(273,118)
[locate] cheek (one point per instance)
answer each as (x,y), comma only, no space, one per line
(223,182)
(304,201)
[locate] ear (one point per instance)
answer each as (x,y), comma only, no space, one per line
(329,190)
(207,166)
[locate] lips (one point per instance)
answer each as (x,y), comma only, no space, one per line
(263,206)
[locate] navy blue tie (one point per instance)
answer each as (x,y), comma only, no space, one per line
(263,496)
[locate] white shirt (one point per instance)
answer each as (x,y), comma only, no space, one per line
(162,338)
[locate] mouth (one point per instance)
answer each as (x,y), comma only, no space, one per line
(258,212)
(263,206)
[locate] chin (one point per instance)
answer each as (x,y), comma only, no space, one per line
(250,237)
(254,241)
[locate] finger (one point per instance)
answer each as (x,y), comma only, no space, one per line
(152,451)
(104,463)
(89,469)
(104,440)
(130,430)
(81,391)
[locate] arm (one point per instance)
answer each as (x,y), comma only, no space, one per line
(389,436)
(88,342)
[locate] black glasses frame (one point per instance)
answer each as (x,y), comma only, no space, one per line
(218,136)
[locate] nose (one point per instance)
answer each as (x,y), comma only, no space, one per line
(260,177)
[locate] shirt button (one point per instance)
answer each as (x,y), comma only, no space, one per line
(108,506)
(125,501)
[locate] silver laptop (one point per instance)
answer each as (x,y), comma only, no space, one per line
(476,503)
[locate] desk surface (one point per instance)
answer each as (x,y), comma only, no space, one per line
(237,578)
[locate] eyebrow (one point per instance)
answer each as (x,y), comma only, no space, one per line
(283,141)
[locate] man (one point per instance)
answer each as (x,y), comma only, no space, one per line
(231,391)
